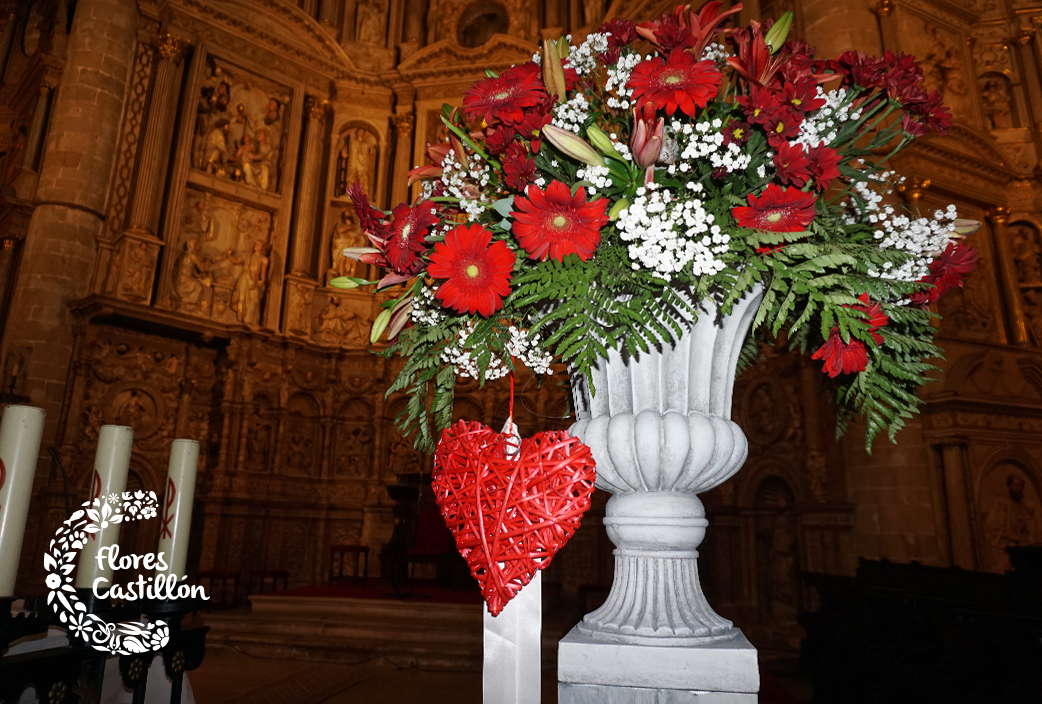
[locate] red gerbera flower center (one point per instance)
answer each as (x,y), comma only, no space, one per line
(777,209)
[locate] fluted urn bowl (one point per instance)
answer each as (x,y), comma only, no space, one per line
(659,425)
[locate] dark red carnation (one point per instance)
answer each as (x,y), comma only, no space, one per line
(686,29)
(792,164)
(405,236)
(913,127)
(824,165)
(476,270)
(680,81)
(946,273)
(842,357)
(518,168)
(503,98)
(932,112)
(556,223)
(621,33)
(777,209)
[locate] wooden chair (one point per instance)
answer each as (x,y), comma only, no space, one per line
(263,576)
(361,553)
(219,580)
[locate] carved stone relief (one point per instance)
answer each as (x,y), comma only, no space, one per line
(968,311)
(940,55)
(302,437)
(354,439)
(223,260)
(1009,502)
(1027,259)
(997,102)
(239,126)
(132,269)
(356,160)
(347,232)
(370,19)
(338,324)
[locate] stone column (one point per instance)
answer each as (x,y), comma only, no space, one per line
(955,480)
(307,191)
(403,125)
(1027,44)
(75,179)
(1007,271)
(144,208)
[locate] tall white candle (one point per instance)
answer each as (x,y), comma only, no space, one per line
(175,531)
(20,431)
(111,465)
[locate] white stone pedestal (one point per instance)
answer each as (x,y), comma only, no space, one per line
(592,671)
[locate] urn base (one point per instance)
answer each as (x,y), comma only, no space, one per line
(621,673)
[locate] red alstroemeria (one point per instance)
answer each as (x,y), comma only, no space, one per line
(824,165)
(777,209)
(518,168)
(792,164)
(405,236)
(503,98)
(556,223)
(681,81)
(946,273)
(842,357)
(685,28)
(476,270)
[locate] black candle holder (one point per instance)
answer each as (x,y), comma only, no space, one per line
(16,626)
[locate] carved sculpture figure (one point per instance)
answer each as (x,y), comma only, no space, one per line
(997,103)
(342,160)
(400,457)
(1027,254)
(216,148)
(191,278)
(137,271)
(369,20)
(256,164)
(942,66)
(335,323)
(1011,523)
(361,161)
(346,233)
(250,286)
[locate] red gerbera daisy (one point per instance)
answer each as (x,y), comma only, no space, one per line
(777,209)
(946,273)
(679,81)
(405,237)
(556,223)
(503,98)
(842,357)
(476,270)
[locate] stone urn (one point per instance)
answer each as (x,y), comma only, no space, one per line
(660,429)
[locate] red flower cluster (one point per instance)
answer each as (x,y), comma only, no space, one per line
(777,209)
(518,168)
(796,166)
(476,270)
(556,223)
(851,357)
(678,81)
(400,239)
(620,33)
(946,273)
(686,29)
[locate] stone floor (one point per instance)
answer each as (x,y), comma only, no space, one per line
(231,677)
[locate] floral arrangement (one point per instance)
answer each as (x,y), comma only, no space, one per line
(594,197)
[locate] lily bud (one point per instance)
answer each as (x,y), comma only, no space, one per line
(648,135)
(777,35)
(563,49)
(379,325)
(601,141)
(553,71)
(572,145)
(620,205)
(346,282)
(965,228)
(461,155)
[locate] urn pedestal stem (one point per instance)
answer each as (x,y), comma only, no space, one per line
(660,429)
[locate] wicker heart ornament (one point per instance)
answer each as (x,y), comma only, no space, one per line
(510,506)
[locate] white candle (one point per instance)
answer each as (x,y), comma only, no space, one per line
(20,433)
(177,507)
(111,465)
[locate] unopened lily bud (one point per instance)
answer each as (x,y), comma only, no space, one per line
(777,34)
(601,141)
(620,205)
(646,142)
(572,145)
(965,228)
(553,71)
(379,325)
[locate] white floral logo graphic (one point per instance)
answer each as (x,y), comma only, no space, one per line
(60,562)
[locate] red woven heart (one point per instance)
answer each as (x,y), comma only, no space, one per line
(510,515)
